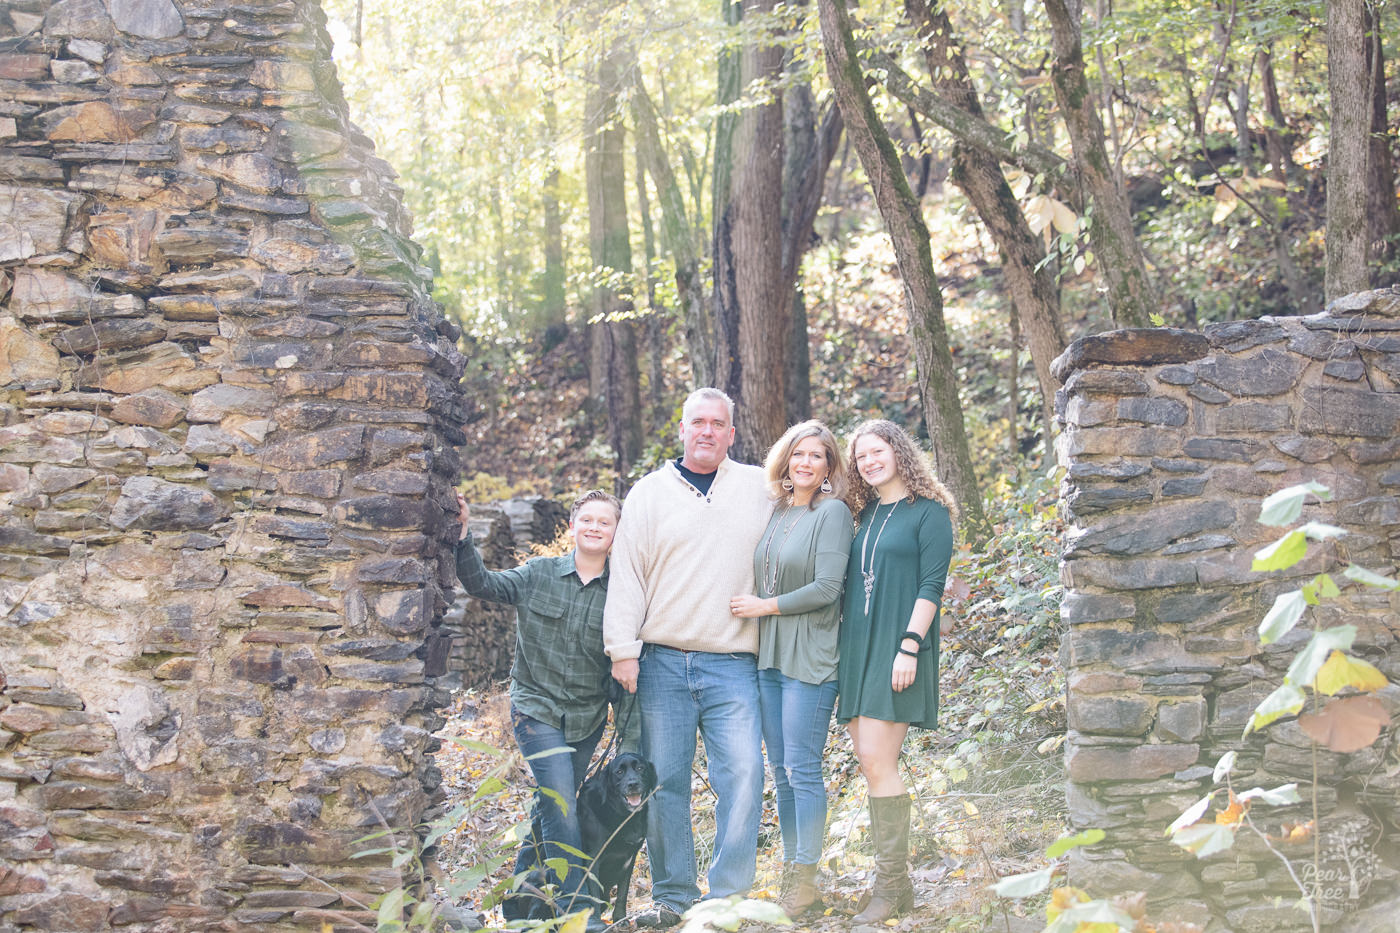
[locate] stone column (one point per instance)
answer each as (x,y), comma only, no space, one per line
(228,420)
(1171,440)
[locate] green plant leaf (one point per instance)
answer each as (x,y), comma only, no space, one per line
(763,912)
(1285,701)
(1370,578)
(1285,506)
(1062,845)
(1278,797)
(559,865)
(1204,838)
(1223,767)
(1282,616)
(1321,531)
(1326,586)
(1026,885)
(556,750)
(1309,661)
(1282,554)
(1191,814)
(390,913)
(475,746)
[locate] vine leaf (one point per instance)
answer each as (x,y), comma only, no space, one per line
(1285,701)
(1285,613)
(1346,725)
(1370,578)
(1342,670)
(1205,838)
(1285,506)
(1309,661)
(1282,554)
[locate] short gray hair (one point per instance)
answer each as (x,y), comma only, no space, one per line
(708,393)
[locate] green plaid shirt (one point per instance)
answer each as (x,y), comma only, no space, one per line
(560,675)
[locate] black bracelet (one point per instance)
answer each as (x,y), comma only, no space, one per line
(917,638)
(907,653)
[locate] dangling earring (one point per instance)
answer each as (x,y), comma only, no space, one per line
(826,484)
(787,483)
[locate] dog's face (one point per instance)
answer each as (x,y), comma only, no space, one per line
(633,777)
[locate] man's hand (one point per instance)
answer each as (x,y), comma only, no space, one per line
(464,514)
(625,673)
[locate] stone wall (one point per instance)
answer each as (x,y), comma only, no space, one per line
(228,413)
(480,634)
(1171,439)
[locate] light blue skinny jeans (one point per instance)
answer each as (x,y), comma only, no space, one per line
(796,720)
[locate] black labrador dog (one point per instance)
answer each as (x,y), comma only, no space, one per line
(612,816)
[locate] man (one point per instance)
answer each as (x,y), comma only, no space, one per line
(684,546)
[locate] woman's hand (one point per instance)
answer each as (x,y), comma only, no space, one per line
(902,676)
(464,514)
(751,607)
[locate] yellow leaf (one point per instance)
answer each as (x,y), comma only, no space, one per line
(1225,203)
(1341,670)
(1062,899)
(970,808)
(1233,813)
(1039,213)
(1063,218)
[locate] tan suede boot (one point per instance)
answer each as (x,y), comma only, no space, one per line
(893,893)
(800,893)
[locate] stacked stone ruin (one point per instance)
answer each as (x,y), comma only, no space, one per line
(228,411)
(1171,440)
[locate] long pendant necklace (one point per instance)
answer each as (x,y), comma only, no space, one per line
(770,560)
(867,574)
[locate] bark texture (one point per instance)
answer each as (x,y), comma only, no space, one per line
(903,219)
(1347,149)
(1131,295)
(1035,297)
(614,371)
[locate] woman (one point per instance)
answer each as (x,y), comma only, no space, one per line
(888,675)
(799,569)
(559,679)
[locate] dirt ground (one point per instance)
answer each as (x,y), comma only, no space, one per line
(991,823)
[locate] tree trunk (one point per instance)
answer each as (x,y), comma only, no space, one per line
(1275,123)
(808,149)
(553,309)
(1381,206)
(1131,295)
(652,329)
(1350,111)
(938,382)
(1030,282)
(612,334)
(677,238)
(728,369)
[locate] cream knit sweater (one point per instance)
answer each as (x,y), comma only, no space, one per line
(677,559)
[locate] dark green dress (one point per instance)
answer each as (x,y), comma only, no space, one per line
(910,563)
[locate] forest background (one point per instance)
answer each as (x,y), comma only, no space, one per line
(895,210)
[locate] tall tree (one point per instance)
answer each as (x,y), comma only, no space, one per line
(1035,296)
(614,374)
(765,321)
(938,382)
(1381,206)
(1347,148)
(677,237)
(1131,295)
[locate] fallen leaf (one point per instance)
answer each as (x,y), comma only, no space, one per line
(1346,725)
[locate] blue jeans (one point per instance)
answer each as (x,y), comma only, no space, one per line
(680,692)
(562,773)
(796,720)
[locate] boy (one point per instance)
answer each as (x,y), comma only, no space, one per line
(560,677)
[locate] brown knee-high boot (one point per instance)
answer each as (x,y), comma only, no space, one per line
(893,893)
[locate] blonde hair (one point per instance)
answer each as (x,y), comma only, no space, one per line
(775,465)
(594,495)
(909,462)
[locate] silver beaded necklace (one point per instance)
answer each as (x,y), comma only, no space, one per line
(770,560)
(867,575)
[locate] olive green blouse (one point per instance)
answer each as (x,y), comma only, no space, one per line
(801,559)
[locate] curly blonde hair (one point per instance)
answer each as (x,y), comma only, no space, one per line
(775,465)
(909,462)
